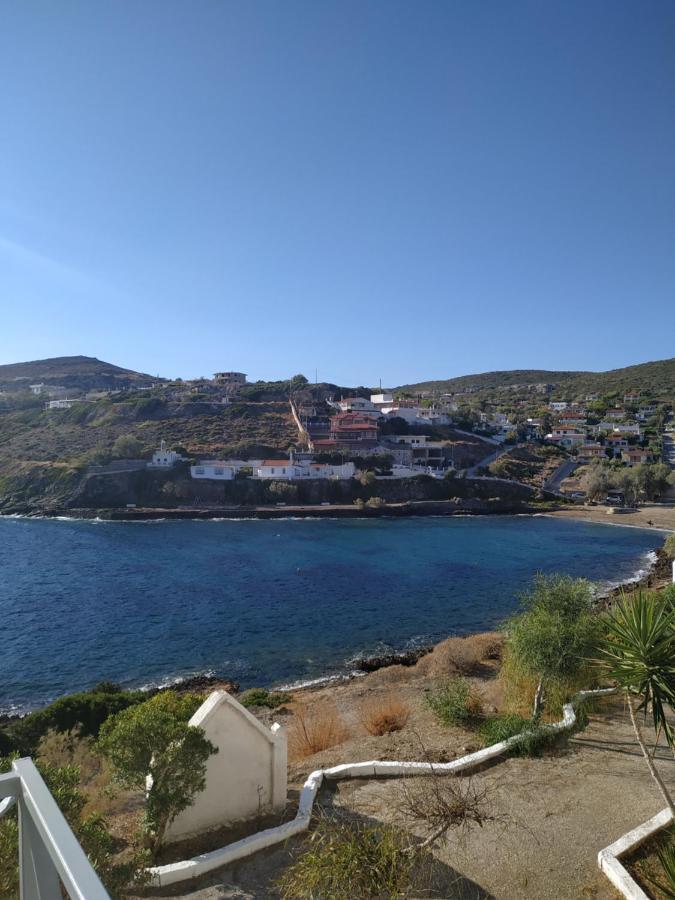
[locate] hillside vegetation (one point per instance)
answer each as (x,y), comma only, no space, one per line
(77,372)
(655,378)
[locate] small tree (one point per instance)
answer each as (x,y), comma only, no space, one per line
(154,739)
(638,653)
(127,446)
(554,634)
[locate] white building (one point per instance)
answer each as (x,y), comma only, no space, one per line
(567,437)
(558,405)
(290,470)
(413,415)
(163,458)
(358,404)
(62,404)
(620,429)
(380,400)
(246,778)
(36,389)
(213,470)
(415,450)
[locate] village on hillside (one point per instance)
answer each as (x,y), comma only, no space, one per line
(580,446)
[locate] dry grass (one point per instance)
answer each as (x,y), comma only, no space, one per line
(470,655)
(382,715)
(120,807)
(314,729)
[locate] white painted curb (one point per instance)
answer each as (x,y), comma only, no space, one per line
(609,858)
(174,873)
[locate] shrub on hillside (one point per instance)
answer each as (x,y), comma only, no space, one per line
(314,729)
(85,711)
(457,701)
(263,697)
(669,546)
(382,715)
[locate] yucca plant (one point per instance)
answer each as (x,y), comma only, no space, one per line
(638,653)
(666,857)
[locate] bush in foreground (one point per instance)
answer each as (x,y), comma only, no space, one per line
(500,728)
(550,641)
(345,861)
(154,739)
(457,702)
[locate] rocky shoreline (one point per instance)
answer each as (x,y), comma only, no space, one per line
(492,506)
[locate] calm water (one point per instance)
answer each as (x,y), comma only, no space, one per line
(265,602)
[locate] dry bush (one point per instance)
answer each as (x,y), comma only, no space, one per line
(384,714)
(315,728)
(440,802)
(67,748)
(462,656)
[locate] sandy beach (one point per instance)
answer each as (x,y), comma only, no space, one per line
(648,515)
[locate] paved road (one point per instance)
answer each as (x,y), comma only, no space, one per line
(563,471)
(471,473)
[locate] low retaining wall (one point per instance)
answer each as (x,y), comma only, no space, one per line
(174,873)
(609,858)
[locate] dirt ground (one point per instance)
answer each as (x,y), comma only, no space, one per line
(553,815)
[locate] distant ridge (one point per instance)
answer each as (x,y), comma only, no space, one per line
(83,372)
(656,377)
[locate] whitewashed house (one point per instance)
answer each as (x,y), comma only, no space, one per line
(292,470)
(163,458)
(380,400)
(358,404)
(63,404)
(247,777)
(213,470)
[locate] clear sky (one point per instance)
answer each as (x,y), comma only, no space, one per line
(374,189)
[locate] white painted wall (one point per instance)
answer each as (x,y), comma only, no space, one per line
(247,775)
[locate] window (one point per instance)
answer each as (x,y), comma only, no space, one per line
(219,471)
(199,470)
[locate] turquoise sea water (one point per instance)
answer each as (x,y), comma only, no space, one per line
(266,602)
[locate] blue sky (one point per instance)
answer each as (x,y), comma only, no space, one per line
(371,189)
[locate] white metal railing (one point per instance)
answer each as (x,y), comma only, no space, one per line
(49,853)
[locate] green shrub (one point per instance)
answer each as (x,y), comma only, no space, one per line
(263,697)
(669,546)
(152,746)
(552,638)
(456,702)
(345,861)
(500,728)
(85,711)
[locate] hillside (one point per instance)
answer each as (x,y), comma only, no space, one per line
(74,372)
(654,378)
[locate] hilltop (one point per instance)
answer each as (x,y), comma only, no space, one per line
(74,372)
(655,378)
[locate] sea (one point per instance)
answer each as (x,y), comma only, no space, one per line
(268,603)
